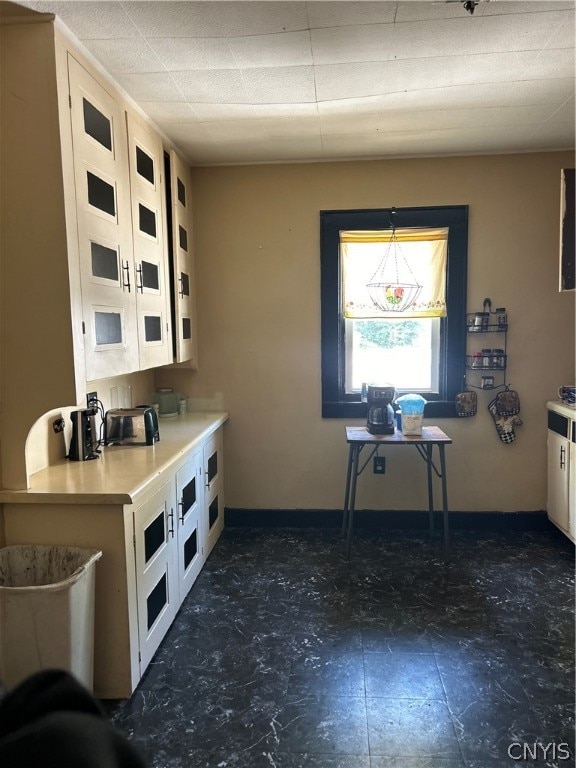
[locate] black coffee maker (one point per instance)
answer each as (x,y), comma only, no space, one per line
(84,442)
(380,419)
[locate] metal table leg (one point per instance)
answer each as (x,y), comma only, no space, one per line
(444,494)
(356,455)
(346,510)
(429,466)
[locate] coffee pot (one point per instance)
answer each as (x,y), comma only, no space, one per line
(380,418)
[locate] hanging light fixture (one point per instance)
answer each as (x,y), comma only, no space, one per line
(393,287)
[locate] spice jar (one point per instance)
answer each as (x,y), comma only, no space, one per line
(487,382)
(481,321)
(487,358)
(501,318)
(477,360)
(499,358)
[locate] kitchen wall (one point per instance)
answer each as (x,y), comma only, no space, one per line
(258,275)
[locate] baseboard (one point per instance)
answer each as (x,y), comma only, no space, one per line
(400,519)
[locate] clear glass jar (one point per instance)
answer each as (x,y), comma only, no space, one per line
(501,318)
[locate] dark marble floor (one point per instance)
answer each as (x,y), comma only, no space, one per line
(286,656)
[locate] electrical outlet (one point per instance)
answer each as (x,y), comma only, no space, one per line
(379,465)
(58,425)
(92,400)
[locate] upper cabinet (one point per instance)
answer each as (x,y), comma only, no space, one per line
(185,334)
(120,205)
(152,281)
(88,221)
(103,213)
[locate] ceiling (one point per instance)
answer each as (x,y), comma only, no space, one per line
(244,82)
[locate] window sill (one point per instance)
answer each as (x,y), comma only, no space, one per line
(434,409)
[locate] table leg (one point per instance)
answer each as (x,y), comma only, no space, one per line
(444,494)
(345,512)
(352,504)
(429,448)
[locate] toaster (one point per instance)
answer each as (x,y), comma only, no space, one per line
(131,426)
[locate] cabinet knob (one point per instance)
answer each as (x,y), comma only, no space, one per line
(562,457)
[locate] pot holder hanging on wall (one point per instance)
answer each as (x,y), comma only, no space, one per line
(508,403)
(466,403)
(505,423)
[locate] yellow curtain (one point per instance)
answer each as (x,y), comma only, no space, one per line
(400,273)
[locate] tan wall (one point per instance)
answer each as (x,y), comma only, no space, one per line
(258,272)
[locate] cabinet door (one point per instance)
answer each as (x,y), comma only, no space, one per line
(572,489)
(189,495)
(213,490)
(156,585)
(558,475)
(152,284)
(104,226)
(185,332)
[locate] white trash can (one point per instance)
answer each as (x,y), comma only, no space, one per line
(47,611)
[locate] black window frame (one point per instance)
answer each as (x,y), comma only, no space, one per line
(336,403)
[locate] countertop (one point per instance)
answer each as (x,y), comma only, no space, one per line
(563,408)
(122,473)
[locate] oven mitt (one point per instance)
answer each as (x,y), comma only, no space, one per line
(504,424)
(507,403)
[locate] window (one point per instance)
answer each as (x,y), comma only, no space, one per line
(417,354)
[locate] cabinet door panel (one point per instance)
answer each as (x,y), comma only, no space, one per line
(186,349)
(558,473)
(189,494)
(150,247)
(213,490)
(104,226)
(156,584)
(572,490)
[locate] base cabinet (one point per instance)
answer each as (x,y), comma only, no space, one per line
(213,487)
(152,552)
(190,539)
(561,471)
(175,530)
(156,578)
(558,472)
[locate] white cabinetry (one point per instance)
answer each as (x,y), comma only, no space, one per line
(171,544)
(561,495)
(156,578)
(190,540)
(100,155)
(183,274)
(84,276)
(214,489)
(155,516)
(120,206)
(152,282)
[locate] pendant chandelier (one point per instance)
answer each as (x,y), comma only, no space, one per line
(393,287)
